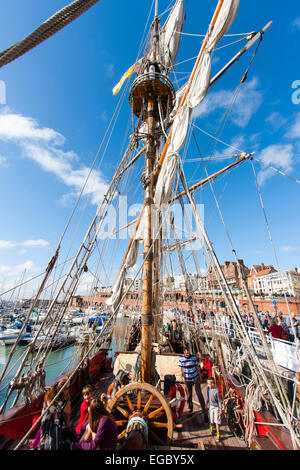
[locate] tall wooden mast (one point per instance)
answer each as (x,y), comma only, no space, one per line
(150,89)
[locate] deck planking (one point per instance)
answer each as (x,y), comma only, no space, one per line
(195,432)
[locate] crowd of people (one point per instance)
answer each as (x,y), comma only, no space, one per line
(279,326)
(96,428)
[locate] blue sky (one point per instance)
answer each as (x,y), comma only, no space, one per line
(59,103)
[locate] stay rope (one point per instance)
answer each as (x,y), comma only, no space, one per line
(47,29)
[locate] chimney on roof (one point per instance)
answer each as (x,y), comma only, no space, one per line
(262,266)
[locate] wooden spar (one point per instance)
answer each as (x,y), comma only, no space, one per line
(212,24)
(156,277)
(131,163)
(243,157)
(147,317)
(170,247)
(250,42)
(216,14)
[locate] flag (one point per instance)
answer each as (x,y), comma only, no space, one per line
(127,74)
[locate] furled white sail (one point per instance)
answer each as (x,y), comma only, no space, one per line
(200,82)
(198,88)
(169,38)
(201,79)
(165,180)
(225,19)
(180,127)
(114,300)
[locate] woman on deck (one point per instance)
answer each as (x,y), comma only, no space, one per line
(54,433)
(87,392)
(100,433)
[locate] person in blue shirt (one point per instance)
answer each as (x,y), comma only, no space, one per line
(191,377)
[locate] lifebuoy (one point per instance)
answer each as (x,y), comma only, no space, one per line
(110,389)
(172,393)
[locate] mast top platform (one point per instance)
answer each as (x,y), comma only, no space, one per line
(156,86)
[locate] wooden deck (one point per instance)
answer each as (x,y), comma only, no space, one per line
(195,432)
(191,432)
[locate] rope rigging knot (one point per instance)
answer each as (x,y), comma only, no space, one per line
(145,181)
(52,261)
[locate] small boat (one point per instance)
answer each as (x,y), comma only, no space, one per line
(58,341)
(9,335)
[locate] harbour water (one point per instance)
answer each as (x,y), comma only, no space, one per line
(60,361)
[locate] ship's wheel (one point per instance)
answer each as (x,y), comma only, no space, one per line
(146,401)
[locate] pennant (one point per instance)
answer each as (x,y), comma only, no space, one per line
(127,74)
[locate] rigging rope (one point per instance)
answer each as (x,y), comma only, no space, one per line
(47,29)
(278,171)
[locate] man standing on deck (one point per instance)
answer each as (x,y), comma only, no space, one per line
(191,376)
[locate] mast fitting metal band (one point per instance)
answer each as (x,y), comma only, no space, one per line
(147,320)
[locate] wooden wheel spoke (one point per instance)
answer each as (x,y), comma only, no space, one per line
(122,434)
(131,406)
(138,400)
(157,424)
(148,404)
(156,413)
(124,412)
(122,422)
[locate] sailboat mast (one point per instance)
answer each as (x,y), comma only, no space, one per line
(152,95)
(147,319)
(147,296)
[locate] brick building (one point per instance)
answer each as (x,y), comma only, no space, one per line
(258,270)
(231,274)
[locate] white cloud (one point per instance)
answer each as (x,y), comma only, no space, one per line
(237,145)
(294,131)
(296,23)
(288,248)
(34,243)
(104,115)
(3,161)
(135,209)
(110,70)
(4,244)
(16,126)
(276,120)
(42,146)
(248,102)
(278,156)
(13,271)
(87,282)
(215,60)
(11,276)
